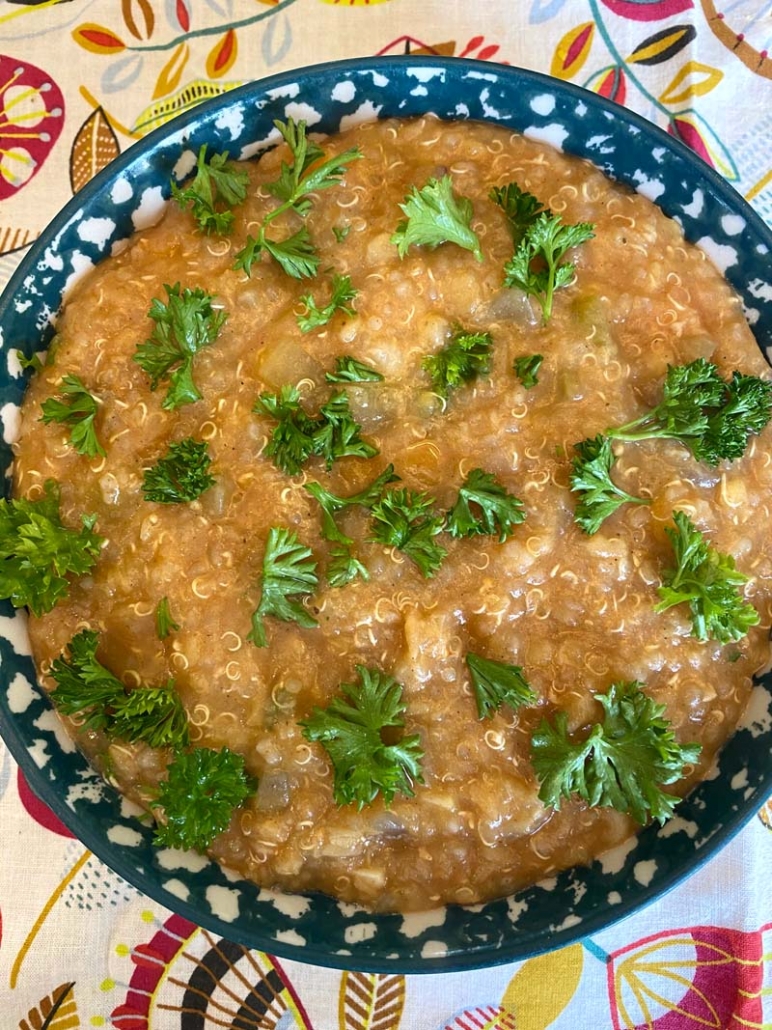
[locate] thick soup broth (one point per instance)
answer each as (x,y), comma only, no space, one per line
(576,612)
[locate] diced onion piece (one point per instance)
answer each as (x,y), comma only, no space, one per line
(273,792)
(510,305)
(288,362)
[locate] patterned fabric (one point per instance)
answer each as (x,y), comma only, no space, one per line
(79,81)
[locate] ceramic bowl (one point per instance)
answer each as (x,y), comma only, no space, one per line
(129,194)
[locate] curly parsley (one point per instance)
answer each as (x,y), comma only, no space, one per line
(39,555)
(464,357)
(89,691)
(623,762)
(289,573)
(351,730)
(436,214)
(599,495)
(217,187)
(484,507)
(202,789)
(404,519)
(297,182)
(77,409)
(341,298)
(708,582)
(185,323)
(541,243)
(496,684)
(181,475)
(333,434)
(711,416)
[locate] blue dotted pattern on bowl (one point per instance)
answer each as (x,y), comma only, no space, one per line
(312,927)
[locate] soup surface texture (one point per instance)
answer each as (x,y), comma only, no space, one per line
(575,612)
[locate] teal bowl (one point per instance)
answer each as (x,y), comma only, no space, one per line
(315,928)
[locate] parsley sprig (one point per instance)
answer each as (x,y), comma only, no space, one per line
(164,620)
(541,243)
(77,409)
(537,266)
(521,208)
(32,362)
(202,789)
(337,434)
(708,582)
(298,436)
(464,357)
(86,689)
(622,764)
(483,506)
(181,475)
(527,369)
(343,293)
(295,254)
(289,572)
(349,370)
(405,519)
(711,416)
(307,174)
(202,786)
(218,186)
(331,503)
(351,729)
(292,440)
(599,495)
(185,323)
(436,214)
(39,555)
(496,684)
(343,565)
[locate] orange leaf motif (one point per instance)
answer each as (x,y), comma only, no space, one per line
(222,55)
(57,1011)
(171,73)
(97,39)
(95,146)
(370,1001)
(572,51)
(148,18)
(484,52)
(446,49)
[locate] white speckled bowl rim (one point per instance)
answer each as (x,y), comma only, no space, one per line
(312,927)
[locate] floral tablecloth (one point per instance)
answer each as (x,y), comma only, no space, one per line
(80,80)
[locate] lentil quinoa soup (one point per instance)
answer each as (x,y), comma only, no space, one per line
(574,611)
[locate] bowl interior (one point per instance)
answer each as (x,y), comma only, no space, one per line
(129,194)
